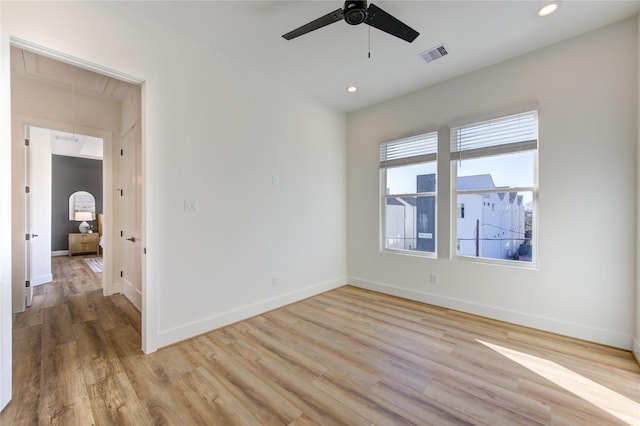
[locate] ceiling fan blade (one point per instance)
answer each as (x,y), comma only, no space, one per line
(327,19)
(381,20)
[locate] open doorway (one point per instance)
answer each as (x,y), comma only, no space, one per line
(90,100)
(54,94)
(64,202)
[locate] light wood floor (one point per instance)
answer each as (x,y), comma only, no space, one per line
(347,357)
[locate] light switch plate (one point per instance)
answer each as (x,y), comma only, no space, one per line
(190,205)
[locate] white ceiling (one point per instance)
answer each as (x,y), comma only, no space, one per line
(323,63)
(27,64)
(30,65)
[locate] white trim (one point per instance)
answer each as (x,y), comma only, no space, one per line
(115,287)
(636,349)
(415,253)
(417,194)
(498,262)
(71,60)
(579,331)
(42,279)
(188,331)
(134,295)
(57,253)
(6,275)
(496,190)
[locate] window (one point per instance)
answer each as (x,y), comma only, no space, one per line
(495,164)
(408,188)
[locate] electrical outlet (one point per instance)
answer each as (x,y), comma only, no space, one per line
(433,278)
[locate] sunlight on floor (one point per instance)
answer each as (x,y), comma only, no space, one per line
(612,402)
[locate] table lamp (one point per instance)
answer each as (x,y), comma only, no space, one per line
(83,216)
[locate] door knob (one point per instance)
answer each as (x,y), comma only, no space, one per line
(132,239)
(34,235)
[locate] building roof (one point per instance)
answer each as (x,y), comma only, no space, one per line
(405,201)
(475,182)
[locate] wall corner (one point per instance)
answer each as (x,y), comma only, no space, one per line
(636,339)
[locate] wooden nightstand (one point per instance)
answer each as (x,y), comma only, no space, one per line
(84,243)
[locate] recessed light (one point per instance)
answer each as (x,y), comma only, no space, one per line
(548,9)
(352,89)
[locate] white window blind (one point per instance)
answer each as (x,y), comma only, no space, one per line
(503,135)
(412,150)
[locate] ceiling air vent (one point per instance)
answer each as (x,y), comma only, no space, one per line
(434,53)
(66,138)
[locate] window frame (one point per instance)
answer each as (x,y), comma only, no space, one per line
(384,165)
(487,152)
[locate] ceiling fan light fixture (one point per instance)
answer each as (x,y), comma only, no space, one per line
(548,9)
(355,12)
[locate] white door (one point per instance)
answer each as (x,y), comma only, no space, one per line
(37,208)
(131,239)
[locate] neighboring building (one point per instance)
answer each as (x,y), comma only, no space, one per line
(401,223)
(493,225)
(490,225)
(410,221)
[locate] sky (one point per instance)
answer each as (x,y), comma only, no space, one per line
(511,170)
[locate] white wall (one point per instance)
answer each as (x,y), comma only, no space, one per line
(215,132)
(5,220)
(584,286)
(636,340)
(130,109)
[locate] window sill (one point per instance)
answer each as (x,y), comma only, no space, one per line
(413,253)
(533,265)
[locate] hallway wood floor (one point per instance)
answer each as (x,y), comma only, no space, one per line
(346,357)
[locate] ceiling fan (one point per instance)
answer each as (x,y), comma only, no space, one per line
(356,12)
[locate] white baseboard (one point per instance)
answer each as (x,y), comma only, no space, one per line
(60,253)
(42,279)
(114,288)
(168,337)
(133,294)
(636,349)
(579,331)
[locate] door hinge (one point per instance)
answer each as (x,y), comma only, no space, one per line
(26,142)
(121,152)
(144,250)
(121,233)
(27,284)
(121,274)
(27,189)
(27,237)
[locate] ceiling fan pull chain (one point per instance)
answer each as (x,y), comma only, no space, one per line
(369,26)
